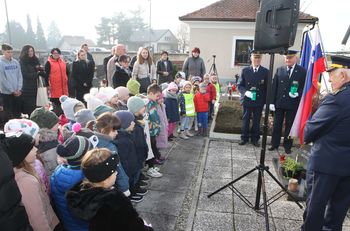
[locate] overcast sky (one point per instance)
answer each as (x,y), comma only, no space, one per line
(78,17)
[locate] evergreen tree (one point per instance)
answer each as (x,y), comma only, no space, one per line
(104,31)
(40,37)
(136,20)
(30,33)
(54,35)
(18,35)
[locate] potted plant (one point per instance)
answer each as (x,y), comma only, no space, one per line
(292,168)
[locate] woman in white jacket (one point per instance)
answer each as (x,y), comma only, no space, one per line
(144,70)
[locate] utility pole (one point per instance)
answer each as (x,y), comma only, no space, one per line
(150,23)
(8,23)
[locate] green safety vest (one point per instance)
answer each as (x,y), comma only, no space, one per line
(189,104)
(218,91)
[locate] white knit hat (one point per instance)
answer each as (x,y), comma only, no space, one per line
(16,127)
(68,104)
(106,93)
(92,101)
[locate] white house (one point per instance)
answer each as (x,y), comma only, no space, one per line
(71,43)
(226,29)
(158,40)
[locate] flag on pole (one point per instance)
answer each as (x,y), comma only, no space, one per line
(314,61)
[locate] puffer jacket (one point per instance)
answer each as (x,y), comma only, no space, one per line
(47,150)
(62,179)
(56,77)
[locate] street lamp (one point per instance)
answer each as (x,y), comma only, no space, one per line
(8,23)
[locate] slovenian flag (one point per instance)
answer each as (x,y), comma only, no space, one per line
(313,60)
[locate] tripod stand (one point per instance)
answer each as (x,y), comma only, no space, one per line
(261,168)
(213,67)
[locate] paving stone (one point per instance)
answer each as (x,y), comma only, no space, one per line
(210,221)
(171,183)
(159,221)
(161,202)
(286,209)
(239,207)
(210,185)
(175,167)
(184,155)
(252,222)
(218,203)
(215,143)
(217,172)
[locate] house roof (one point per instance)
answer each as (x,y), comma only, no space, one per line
(233,10)
(143,35)
(76,41)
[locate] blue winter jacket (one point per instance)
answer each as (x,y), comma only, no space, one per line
(63,178)
(105,141)
(172,109)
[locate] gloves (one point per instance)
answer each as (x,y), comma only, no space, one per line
(249,94)
(272,107)
(293,96)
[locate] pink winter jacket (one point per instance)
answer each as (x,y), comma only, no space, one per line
(36,202)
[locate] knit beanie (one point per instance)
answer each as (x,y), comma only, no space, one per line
(92,102)
(44,118)
(107,93)
(122,92)
(83,116)
(15,127)
(135,104)
(196,79)
(181,75)
(202,88)
(17,147)
(102,109)
(73,149)
(67,105)
(125,117)
(172,86)
(133,86)
(186,83)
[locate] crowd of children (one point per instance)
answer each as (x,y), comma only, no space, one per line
(82,170)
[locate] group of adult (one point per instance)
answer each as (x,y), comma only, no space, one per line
(328,172)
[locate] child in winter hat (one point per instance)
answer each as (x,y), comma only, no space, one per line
(91,100)
(70,106)
(123,96)
(102,109)
(44,118)
(134,87)
(73,149)
(15,127)
(126,118)
(135,104)
(84,116)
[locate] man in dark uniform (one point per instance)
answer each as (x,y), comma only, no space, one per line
(328,170)
(253,86)
(285,100)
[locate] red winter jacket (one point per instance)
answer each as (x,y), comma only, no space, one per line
(57,78)
(201,102)
(211,90)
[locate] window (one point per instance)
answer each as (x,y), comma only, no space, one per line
(167,38)
(241,50)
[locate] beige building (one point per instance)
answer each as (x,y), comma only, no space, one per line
(226,29)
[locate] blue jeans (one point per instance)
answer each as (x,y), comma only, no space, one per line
(202,118)
(185,123)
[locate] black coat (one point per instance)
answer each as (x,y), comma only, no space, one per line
(140,142)
(172,109)
(161,68)
(258,80)
(13,216)
(82,73)
(281,87)
(328,129)
(127,153)
(120,77)
(105,209)
(30,77)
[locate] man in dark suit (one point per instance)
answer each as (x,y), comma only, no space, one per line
(253,86)
(328,170)
(287,88)
(164,68)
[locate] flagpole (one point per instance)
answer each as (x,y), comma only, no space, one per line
(324,53)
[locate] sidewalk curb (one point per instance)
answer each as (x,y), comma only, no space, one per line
(194,203)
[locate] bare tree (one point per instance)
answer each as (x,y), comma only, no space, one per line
(183,36)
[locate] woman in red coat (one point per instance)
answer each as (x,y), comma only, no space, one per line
(56,79)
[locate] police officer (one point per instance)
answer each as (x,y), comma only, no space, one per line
(328,170)
(253,86)
(287,88)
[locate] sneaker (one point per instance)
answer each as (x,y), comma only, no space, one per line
(156,168)
(142,183)
(141,191)
(136,198)
(154,173)
(143,177)
(159,161)
(188,133)
(183,136)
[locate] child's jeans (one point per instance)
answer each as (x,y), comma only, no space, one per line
(202,118)
(186,122)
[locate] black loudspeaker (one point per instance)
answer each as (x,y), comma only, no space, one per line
(276,25)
